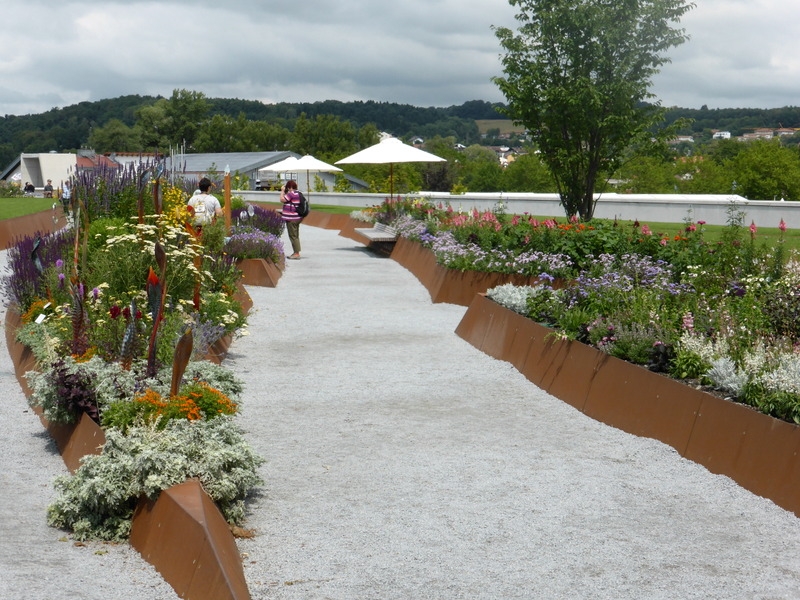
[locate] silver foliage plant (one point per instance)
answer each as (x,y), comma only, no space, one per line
(513,297)
(98,500)
(725,376)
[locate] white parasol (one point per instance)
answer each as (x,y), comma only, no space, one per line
(389,151)
(296,165)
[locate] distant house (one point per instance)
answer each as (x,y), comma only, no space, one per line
(680,139)
(89,160)
(758,134)
(721,135)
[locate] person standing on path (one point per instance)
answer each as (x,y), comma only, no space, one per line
(290,198)
(205,207)
(66,198)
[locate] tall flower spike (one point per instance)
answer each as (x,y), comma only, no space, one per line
(153,293)
(126,352)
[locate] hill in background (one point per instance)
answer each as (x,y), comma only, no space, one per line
(68,129)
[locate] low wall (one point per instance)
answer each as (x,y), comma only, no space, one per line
(657,208)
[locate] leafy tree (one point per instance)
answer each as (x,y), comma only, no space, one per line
(115,136)
(722,151)
(185,111)
(648,175)
(152,123)
(765,170)
(528,173)
(577,75)
(324,137)
(702,175)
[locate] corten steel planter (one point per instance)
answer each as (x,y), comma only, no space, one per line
(326,220)
(28,225)
(185,537)
(348,229)
(759,452)
(449,285)
(259,272)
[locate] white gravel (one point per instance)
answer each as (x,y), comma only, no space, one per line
(403,463)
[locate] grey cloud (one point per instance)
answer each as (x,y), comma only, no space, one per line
(422,52)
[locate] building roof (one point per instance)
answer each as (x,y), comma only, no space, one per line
(243,162)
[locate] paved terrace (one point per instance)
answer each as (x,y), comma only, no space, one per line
(403,463)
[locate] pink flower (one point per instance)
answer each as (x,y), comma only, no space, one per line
(574,219)
(646,230)
(701,222)
(691,227)
(782,226)
(663,241)
(753,228)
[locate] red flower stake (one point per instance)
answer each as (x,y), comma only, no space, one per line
(156,294)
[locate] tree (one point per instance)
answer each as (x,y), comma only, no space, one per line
(151,121)
(185,112)
(577,75)
(325,137)
(115,136)
(765,170)
(527,173)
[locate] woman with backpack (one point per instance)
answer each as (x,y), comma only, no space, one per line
(290,198)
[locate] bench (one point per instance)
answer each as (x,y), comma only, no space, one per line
(378,233)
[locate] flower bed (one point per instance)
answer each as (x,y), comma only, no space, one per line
(451,286)
(119,364)
(182,534)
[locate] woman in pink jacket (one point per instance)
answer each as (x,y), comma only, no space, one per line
(290,198)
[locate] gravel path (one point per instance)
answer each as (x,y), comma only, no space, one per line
(403,463)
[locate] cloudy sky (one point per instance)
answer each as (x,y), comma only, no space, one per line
(743,53)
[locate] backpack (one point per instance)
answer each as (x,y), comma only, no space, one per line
(202,216)
(303,208)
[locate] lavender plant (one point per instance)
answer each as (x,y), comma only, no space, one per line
(248,242)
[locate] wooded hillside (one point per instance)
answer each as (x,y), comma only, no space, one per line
(67,129)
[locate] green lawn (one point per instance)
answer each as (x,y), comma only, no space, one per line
(18,207)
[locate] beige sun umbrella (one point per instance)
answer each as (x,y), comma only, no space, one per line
(389,151)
